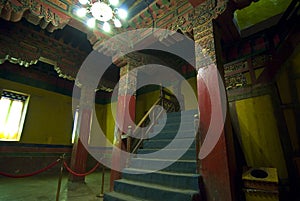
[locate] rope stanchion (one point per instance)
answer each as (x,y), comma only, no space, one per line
(62,159)
(80,174)
(101,195)
(33,173)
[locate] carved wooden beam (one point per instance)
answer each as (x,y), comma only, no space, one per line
(24,46)
(37,12)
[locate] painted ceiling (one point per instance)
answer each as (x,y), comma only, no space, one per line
(56,20)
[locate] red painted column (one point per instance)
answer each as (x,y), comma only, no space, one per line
(79,152)
(125,117)
(215,167)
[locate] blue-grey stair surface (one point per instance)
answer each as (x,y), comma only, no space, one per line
(178,181)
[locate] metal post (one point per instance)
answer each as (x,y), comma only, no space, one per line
(60,176)
(197,141)
(129,133)
(101,195)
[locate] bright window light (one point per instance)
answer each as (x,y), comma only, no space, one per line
(13,109)
(75,123)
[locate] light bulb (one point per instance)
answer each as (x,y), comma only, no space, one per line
(83,2)
(81,12)
(122,13)
(101,11)
(117,23)
(91,22)
(106,27)
(114,2)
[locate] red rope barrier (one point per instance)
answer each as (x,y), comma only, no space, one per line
(31,174)
(81,174)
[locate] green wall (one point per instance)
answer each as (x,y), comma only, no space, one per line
(259,11)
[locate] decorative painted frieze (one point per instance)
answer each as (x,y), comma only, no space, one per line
(37,12)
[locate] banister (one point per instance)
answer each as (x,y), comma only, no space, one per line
(148,130)
(146,115)
(162,100)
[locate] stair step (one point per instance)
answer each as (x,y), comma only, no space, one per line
(153,192)
(189,154)
(115,196)
(176,119)
(173,127)
(183,166)
(171,179)
(169,134)
(146,178)
(169,144)
(183,113)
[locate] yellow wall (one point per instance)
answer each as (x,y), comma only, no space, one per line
(146,100)
(110,121)
(49,117)
(144,103)
(193,83)
(259,134)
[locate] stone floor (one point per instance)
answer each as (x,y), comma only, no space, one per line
(44,187)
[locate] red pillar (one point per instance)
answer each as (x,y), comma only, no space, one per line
(125,117)
(216,167)
(79,152)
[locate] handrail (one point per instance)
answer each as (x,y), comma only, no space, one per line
(146,115)
(162,100)
(147,131)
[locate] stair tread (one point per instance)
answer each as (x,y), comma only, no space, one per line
(169,140)
(162,159)
(150,149)
(157,186)
(125,197)
(162,172)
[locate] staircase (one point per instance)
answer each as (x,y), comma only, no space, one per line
(177,182)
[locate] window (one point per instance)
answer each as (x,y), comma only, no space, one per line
(13,106)
(74,133)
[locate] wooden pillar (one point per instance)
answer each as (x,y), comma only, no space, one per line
(79,152)
(125,117)
(216,167)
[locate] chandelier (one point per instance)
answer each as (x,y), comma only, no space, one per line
(104,11)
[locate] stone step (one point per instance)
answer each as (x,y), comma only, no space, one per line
(173,127)
(183,143)
(176,180)
(181,166)
(153,192)
(115,196)
(170,134)
(189,154)
(176,118)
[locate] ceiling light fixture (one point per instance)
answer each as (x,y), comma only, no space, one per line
(103,11)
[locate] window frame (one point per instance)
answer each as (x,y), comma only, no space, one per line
(23,113)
